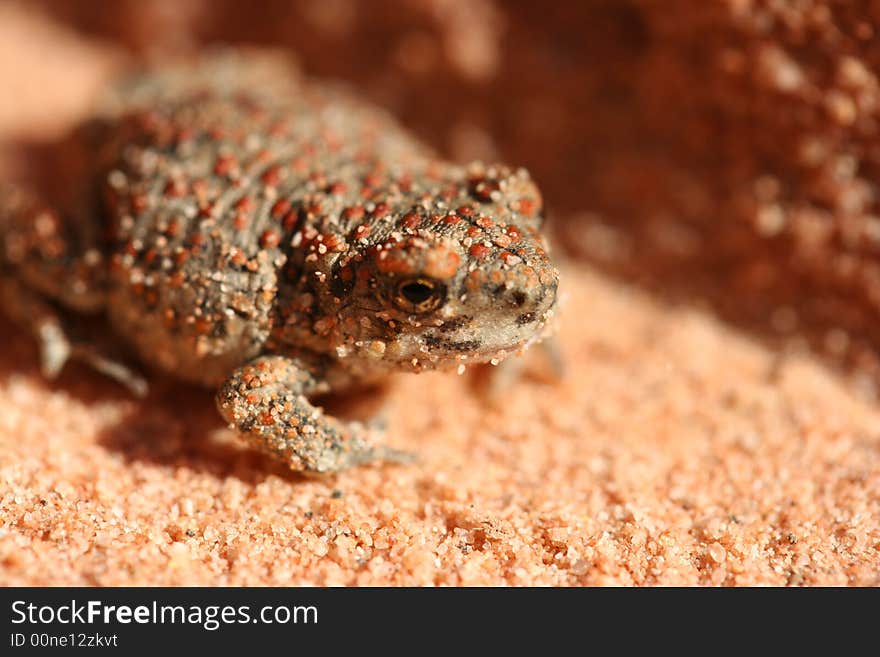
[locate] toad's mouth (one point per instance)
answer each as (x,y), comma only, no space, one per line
(447,350)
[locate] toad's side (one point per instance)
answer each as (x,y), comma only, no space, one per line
(242,229)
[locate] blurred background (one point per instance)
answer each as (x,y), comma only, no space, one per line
(722,153)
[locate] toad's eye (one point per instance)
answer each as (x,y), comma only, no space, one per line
(419,295)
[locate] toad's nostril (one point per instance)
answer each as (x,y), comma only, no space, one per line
(526,318)
(519,298)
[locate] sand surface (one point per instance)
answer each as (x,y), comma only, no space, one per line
(676,450)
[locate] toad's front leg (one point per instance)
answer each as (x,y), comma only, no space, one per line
(265,401)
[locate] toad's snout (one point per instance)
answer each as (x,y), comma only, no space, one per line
(532,305)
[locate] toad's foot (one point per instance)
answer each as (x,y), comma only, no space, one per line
(110,367)
(265,402)
(40,318)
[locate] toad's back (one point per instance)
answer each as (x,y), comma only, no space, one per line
(206,179)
